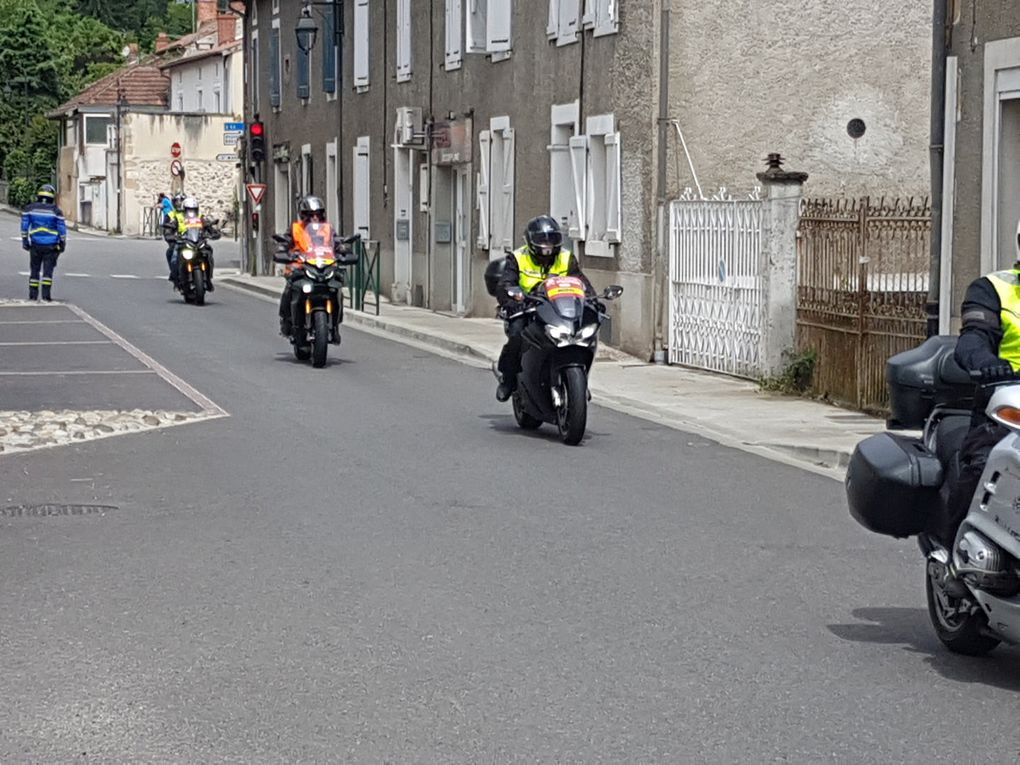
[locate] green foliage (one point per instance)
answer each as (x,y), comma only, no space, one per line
(795,379)
(21,192)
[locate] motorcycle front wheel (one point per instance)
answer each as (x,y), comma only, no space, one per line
(572,416)
(960,630)
(320,325)
(198,280)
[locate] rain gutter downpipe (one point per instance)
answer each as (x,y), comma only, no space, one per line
(660,273)
(937,149)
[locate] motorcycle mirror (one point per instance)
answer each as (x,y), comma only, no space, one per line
(612,292)
(279,238)
(281,259)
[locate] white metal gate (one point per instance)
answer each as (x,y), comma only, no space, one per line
(716,284)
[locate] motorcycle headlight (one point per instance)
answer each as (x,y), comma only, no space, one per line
(557,333)
(331,273)
(187,253)
(588,331)
(306,288)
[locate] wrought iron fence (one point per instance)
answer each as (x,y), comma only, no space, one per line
(862,288)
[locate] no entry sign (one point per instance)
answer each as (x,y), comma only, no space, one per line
(175,150)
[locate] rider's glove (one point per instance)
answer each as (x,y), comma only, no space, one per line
(995,372)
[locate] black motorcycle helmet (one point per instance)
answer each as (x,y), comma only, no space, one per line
(46,193)
(309,206)
(544,239)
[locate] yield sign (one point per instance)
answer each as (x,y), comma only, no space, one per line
(256,191)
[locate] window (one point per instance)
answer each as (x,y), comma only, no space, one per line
(304,74)
(281,196)
(595,162)
(180,101)
(253,72)
(564,201)
(360,45)
(274,65)
(332,203)
(454,35)
(199,68)
(276,6)
(217,104)
(201,105)
(329,52)
(362,189)
(180,77)
(95,129)
(564,20)
(488,27)
(254,14)
(495,187)
(603,16)
(403,40)
(306,170)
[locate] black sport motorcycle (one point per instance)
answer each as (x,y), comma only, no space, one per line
(559,344)
(194,261)
(316,278)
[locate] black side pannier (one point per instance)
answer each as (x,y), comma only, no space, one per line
(892,485)
(922,377)
(493,273)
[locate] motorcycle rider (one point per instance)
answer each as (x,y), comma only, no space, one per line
(172,214)
(44,235)
(989,344)
(177,225)
(311,209)
(527,267)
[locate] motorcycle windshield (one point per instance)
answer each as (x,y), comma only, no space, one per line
(566,295)
(193,230)
(315,243)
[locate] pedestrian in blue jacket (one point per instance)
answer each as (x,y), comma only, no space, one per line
(44,235)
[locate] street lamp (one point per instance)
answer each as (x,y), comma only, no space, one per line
(306,30)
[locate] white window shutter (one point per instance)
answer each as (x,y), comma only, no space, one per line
(454,34)
(362,188)
(568,21)
(614,201)
(607,17)
(361,43)
(579,169)
(507,216)
(498,26)
(403,40)
(552,28)
(561,185)
(590,14)
(482,188)
(477,26)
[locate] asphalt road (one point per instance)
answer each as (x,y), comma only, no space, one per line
(370,563)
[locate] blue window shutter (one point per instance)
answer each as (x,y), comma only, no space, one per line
(303,73)
(274,67)
(329,51)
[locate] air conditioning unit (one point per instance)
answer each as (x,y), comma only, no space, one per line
(409,130)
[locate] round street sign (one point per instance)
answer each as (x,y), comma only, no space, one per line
(176,168)
(175,150)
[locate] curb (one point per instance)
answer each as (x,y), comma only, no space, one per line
(830,463)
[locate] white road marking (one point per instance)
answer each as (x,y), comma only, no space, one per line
(24,273)
(80,372)
(79,276)
(124,276)
(207,405)
(64,342)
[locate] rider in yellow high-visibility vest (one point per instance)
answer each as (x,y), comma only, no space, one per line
(989,344)
(527,267)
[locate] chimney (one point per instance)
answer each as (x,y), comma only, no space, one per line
(226,25)
(162,42)
(206,13)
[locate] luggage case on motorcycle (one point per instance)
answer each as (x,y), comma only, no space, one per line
(892,485)
(922,377)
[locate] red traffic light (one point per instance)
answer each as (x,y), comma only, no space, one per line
(257,128)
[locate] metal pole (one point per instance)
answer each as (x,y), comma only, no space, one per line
(937,149)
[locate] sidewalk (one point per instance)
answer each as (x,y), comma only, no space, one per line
(805,433)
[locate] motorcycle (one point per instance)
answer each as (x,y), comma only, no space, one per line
(895,482)
(559,344)
(194,260)
(316,278)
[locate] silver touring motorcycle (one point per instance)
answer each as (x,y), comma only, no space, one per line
(896,481)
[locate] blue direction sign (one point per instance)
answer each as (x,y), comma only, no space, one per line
(233,127)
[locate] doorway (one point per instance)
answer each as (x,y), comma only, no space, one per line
(1007,201)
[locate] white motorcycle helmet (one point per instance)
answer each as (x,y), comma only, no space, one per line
(190,206)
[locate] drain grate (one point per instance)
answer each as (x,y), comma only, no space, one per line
(50,509)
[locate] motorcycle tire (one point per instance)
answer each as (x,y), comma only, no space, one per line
(572,416)
(524,420)
(198,281)
(960,634)
(302,351)
(320,342)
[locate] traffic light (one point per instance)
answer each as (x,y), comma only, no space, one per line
(257,134)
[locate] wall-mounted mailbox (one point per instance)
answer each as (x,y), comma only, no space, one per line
(444,232)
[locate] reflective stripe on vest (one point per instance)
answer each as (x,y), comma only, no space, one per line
(1007,284)
(532,274)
